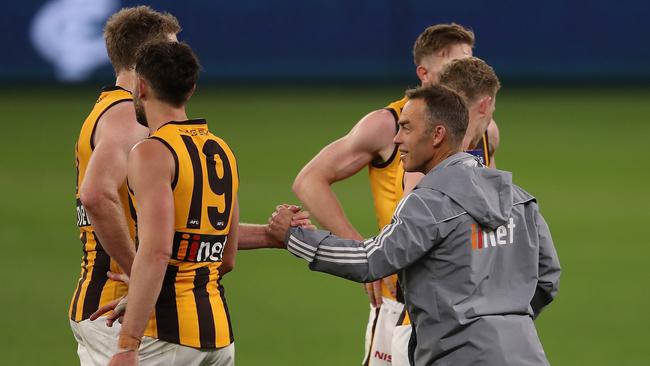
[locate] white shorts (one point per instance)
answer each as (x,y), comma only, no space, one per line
(386,342)
(97,343)
(154,352)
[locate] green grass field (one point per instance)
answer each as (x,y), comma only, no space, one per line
(582,152)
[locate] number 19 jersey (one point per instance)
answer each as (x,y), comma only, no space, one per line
(191,309)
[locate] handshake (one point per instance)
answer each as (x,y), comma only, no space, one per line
(285,217)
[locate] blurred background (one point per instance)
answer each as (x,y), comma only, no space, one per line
(282,79)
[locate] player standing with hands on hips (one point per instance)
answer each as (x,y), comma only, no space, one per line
(473,254)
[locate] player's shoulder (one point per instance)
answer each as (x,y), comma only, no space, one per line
(397,106)
(222,143)
(375,131)
(120,115)
(150,148)
(378,122)
(118,126)
(151,160)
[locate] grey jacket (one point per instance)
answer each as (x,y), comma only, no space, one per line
(474,258)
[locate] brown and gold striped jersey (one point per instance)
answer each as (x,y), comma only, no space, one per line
(191,309)
(387,186)
(94,288)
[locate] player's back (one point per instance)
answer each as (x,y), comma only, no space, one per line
(191,309)
(94,288)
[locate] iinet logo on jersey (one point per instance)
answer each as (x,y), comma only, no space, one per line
(503,235)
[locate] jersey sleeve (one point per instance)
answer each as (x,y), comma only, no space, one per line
(411,234)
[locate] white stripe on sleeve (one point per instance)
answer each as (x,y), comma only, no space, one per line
(332,254)
(302,243)
(378,241)
(342,261)
(297,251)
(307,249)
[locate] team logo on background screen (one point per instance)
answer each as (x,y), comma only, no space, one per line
(68,34)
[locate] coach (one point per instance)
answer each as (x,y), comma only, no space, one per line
(473,254)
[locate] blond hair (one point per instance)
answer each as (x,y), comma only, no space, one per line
(130,28)
(440,36)
(471,77)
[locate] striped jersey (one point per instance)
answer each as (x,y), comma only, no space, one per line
(94,288)
(387,186)
(191,309)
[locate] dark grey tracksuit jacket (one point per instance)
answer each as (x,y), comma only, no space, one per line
(474,258)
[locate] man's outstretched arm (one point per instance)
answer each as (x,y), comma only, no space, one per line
(410,235)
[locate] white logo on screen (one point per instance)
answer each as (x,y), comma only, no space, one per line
(68,34)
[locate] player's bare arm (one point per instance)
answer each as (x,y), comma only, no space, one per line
(150,171)
(370,140)
(255,236)
(117,131)
(230,252)
(493,139)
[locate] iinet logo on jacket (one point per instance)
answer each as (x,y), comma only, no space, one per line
(503,235)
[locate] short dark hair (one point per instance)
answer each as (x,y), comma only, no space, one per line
(439,36)
(171,68)
(443,106)
(128,29)
(471,77)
